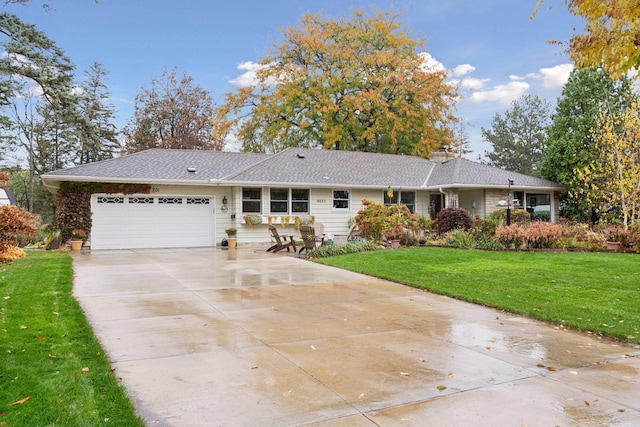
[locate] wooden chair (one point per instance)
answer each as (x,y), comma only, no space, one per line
(281,242)
(309,238)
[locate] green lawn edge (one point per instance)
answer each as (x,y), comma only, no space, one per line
(594,292)
(53,371)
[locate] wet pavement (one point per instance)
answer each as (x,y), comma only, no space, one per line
(219,337)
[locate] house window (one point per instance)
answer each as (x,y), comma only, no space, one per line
(279,201)
(299,200)
(284,201)
(407,198)
(251,200)
(340,199)
(539,206)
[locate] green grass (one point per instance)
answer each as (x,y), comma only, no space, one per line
(53,371)
(588,291)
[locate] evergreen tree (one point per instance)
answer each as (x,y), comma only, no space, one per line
(571,145)
(518,138)
(97,133)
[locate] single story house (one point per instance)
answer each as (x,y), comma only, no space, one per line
(193,195)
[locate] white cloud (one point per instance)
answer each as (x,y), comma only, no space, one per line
(430,64)
(248,78)
(504,94)
(555,77)
(462,69)
(471,83)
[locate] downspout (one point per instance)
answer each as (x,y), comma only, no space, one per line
(446,200)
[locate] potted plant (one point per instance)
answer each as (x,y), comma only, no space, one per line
(78,237)
(253,219)
(231,236)
(614,236)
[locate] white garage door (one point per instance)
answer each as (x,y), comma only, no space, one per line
(144,221)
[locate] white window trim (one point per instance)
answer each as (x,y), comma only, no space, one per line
(348,208)
(290,201)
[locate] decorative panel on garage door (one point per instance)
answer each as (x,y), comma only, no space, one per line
(143,221)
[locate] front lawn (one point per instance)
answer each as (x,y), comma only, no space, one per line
(53,371)
(589,291)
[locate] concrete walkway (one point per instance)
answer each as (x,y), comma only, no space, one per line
(217,337)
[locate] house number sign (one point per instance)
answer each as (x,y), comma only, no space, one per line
(321,201)
(155,189)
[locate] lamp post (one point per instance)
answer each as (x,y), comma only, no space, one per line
(509,201)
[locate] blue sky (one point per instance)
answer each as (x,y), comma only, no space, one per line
(492,48)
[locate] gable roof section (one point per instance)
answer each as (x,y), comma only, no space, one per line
(159,165)
(461,173)
(333,168)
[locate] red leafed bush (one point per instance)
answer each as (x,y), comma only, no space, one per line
(536,235)
(13,223)
(542,234)
(454,219)
(511,236)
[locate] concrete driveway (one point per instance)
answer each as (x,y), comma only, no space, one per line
(217,337)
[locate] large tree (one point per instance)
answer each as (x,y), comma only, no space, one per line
(362,84)
(611,36)
(97,134)
(570,143)
(29,55)
(172,113)
(518,138)
(612,182)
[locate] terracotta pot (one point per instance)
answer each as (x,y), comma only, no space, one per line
(76,245)
(232,242)
(613,246)
(395,244)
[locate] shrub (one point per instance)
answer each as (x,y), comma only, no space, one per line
(376,221)
(349,248)
(518,216)
(542,234)
(14,222)
(453,219)
(616,233)
(11,253)
(485,228)
(462,239)
(541,216)
(511,236)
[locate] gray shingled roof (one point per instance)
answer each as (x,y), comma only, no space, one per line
(338,168)
(164,165)
(465,173)
(295,166)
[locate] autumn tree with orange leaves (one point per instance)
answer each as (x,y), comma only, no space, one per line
(362,84)
(611,36)
(172,113)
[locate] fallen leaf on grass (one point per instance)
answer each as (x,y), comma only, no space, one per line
(551,368)
(540,365)
(7,297)
(85,369)
(441,387)
(21,401)
(53,356)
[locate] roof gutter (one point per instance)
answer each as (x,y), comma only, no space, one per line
(52,182)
